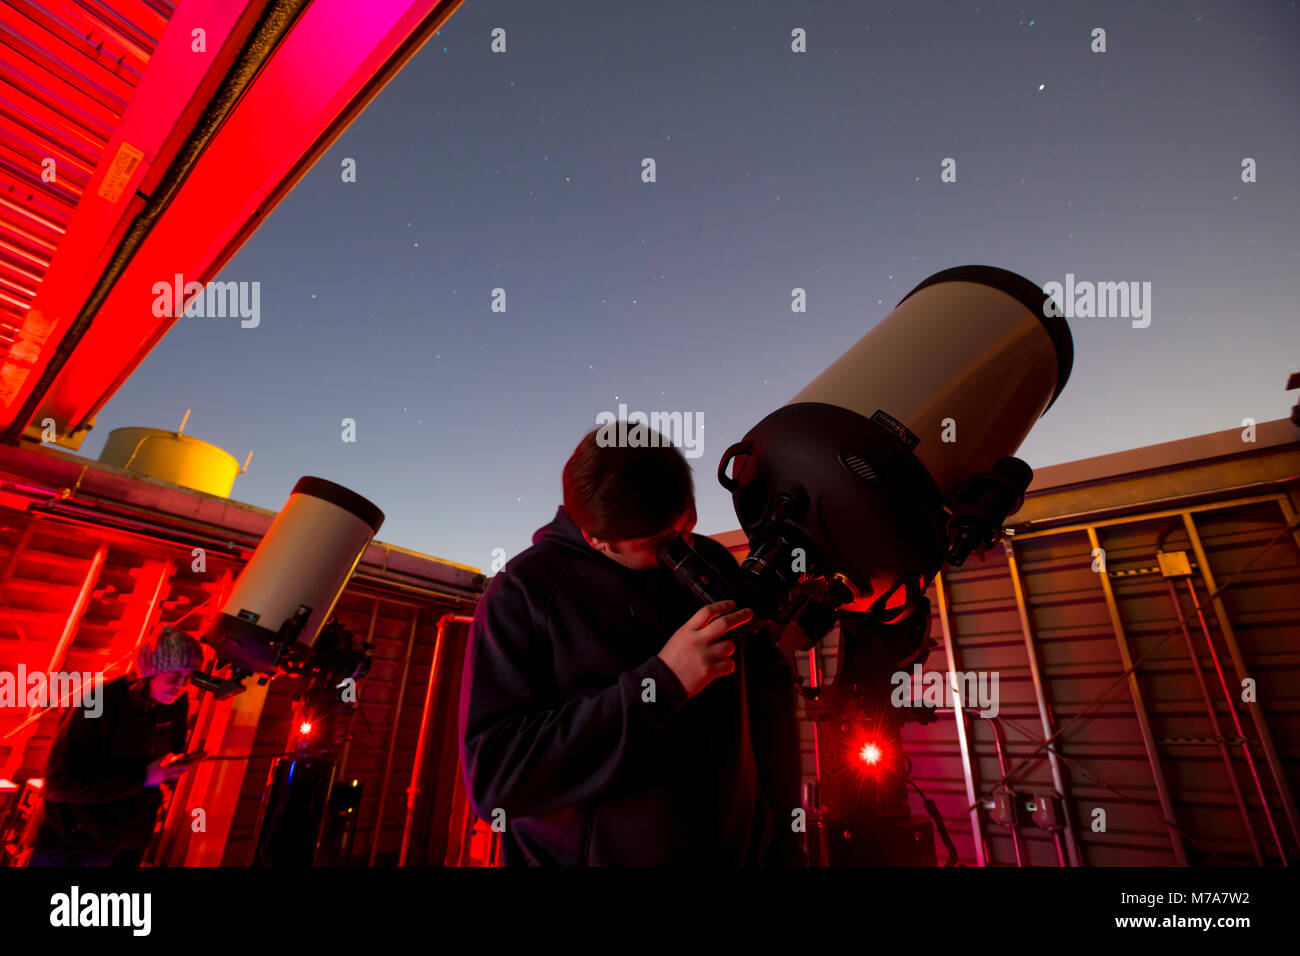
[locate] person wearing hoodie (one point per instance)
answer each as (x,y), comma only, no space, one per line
(103,773)
(605,718)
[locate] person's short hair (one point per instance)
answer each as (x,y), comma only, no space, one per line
(617,492)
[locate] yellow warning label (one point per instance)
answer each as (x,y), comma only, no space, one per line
(120,171)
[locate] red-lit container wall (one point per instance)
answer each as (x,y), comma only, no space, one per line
(79,597)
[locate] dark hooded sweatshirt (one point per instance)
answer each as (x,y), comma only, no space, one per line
(95,797)
(561,742)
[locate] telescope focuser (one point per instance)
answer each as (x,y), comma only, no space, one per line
(981,504)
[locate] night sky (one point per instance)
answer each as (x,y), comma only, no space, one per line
(775,170)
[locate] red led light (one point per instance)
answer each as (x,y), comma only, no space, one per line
(304,728)
(870,754)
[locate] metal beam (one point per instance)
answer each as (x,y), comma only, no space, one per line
(1148,516)
(18,744)
(78,608)
(1228,766)
(1040,698)
(1289,516)
(370,639)
(1239,664)
(1139,708)
(439,676)
(392,740)
(959,715)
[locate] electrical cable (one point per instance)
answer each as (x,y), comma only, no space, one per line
(932,809)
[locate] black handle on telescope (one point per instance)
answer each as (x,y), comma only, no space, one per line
(912,595)
(739,448)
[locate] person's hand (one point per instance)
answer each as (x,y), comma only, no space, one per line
(161,772)
(696,653)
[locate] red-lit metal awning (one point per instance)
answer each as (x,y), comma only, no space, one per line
(142,139)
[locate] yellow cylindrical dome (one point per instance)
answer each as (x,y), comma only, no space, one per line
(185,461)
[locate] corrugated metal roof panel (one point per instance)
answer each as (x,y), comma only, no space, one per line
(68,71)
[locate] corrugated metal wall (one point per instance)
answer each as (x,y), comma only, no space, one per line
(1103,753)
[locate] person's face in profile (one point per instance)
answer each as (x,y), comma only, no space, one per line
(642,554)
(167,687)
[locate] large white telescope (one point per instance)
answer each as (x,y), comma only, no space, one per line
(897,458)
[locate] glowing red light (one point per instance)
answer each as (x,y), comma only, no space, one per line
(870,754)
(304,728)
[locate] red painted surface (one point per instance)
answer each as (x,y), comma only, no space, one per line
(321,67)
